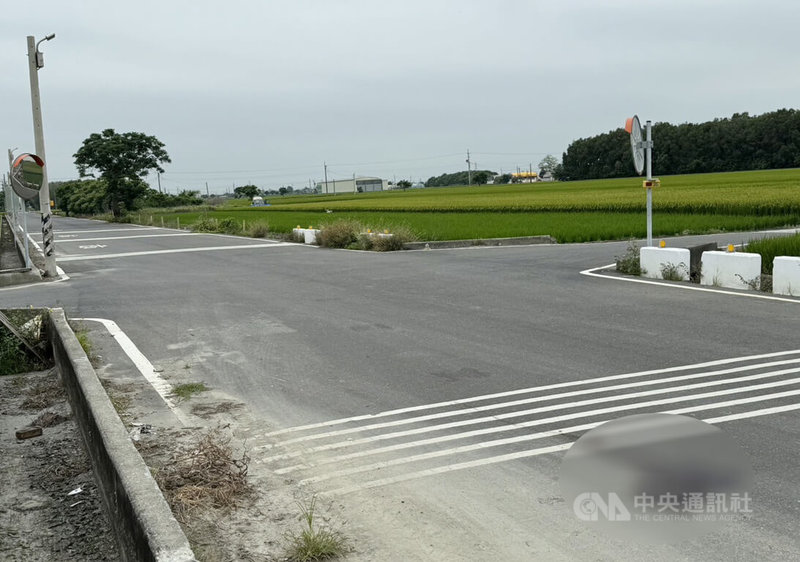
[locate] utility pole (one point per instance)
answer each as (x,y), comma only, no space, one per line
(158,175)
(354,183)
(325,164)
(207,192)
(469,170)
(35,62)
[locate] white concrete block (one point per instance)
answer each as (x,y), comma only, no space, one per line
(654,260)
(299,232)
(786,276)
(730,269)
(310,235)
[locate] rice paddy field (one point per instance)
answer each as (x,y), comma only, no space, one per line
(569,211)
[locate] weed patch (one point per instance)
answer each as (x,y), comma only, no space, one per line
(629,263)
(314,542)
(673,271)
(186,391)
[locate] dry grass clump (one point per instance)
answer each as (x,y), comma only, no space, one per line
(205,476)
(339,234)
(258,230)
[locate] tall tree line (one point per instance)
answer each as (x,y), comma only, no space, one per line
(741,142)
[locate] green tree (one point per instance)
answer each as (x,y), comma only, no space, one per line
(404,184)
(248,191)
(480,178)
(123,160)
(548,164)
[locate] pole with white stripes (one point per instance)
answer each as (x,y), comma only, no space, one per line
(35,62)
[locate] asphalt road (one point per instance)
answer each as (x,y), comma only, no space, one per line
(459,341)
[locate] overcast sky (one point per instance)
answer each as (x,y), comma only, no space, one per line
(264,92)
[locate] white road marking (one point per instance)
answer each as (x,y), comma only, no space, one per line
(161,386)
(547,397)
(593,273)
(529,437)
(93,246)
(386,454)
(529,390)
(59,232)
(174,251)
(541,421)
(525,454)
(103,238)
(513,427)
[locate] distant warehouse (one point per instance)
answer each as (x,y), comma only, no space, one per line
(352,185)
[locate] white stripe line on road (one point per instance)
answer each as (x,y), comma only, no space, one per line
(468,400)
(174,251)
(142,363)
(593,273)
(561,406)
(542,421)
(522,438)
(69,240)
(516,427)
(62,232)
(525,454)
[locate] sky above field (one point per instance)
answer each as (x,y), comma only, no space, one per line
(266,92)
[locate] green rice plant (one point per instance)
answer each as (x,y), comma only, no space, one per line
(772,247)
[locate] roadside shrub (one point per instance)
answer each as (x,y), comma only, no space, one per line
(628,263)
(387,243)
(205,224)
(13,359)
(363,242)
(402,234)
(258,230)
(229,225)
(339,234)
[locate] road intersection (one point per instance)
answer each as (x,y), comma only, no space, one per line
(435,390)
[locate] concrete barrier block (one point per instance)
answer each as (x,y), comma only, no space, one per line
(733,270)
(654,260)
(786,276)
(310,235)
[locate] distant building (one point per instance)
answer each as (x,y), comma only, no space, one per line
(524,177)
(362,184)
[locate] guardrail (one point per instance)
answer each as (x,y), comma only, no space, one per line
(17,220)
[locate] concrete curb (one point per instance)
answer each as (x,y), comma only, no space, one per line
(519,241)
(143,523)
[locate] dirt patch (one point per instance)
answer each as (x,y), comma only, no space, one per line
(50,508)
